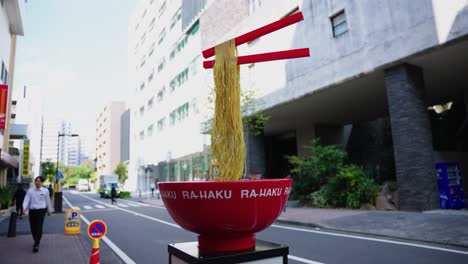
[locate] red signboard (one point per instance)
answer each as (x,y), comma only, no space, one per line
(3,105)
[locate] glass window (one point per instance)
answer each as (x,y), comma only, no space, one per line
(162,35)
(176,18)
(161,124)
(142,110)
(142,135)
(162,64)
(150,103)
(194,28)
(142,86)
(150,130)
(179,79)
(151,51)
(173,117)
(254,5)
(339,24)
(162,9)
(151,76)
(161,94)
(151,26)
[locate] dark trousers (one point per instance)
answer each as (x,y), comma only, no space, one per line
(36,221)
(19,207)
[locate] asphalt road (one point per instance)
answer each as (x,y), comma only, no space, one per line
(140,233)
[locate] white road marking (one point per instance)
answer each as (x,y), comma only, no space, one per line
(372,239)
(303,260)
(125,258)
(138,214)
(76,208)
(99,206)
(134,205)
(122,205)
(87,207)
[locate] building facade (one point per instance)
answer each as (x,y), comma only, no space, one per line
(386,80)
(108,137)
(125,137)
(26,123)
(12,14)
(66,147)
(169,97)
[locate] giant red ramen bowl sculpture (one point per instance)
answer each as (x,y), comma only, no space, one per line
(225,214)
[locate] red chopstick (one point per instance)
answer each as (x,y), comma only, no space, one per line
(270,56)
(254,34)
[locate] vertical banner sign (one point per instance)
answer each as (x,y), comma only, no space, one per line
(3,105)
(26,159)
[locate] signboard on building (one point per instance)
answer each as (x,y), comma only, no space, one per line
(25,170)
(3,105)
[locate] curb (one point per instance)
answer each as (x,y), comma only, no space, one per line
(314,225)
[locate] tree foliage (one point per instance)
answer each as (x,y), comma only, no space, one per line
(49,170)
(122,171)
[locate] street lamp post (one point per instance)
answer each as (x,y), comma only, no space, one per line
(57,189)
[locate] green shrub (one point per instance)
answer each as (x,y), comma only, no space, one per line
(6,196)
(125,195)
(312,171)
(318,199)
(350,188)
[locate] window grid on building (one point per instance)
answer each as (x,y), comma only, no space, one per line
(161,94)
(150,103)
(161,124)
(162,64)
(162,35)
(150,130)
(179,79)
(179,114)
(176,18)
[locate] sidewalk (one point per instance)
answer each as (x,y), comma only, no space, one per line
(440,226)
(55,247)
(146,198)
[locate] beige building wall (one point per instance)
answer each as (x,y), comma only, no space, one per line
(108,137)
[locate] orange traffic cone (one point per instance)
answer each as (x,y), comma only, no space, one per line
(95,259)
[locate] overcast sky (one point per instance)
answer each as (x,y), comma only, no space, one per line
(75,53)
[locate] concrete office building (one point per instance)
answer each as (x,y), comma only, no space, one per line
(108,137)
(12,14)
(386,79)
(168,93)
(26,123)
(70,149)
(125,137)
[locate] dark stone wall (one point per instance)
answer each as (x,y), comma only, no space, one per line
(370,145)
(255,154)
(412,138)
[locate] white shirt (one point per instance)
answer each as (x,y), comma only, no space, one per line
(37,199)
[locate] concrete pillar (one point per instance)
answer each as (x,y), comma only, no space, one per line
(255,154)
(412,138)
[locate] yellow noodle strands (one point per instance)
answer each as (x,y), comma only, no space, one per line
(227,135)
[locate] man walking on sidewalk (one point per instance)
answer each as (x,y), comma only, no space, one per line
(19,199)
(37,204)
